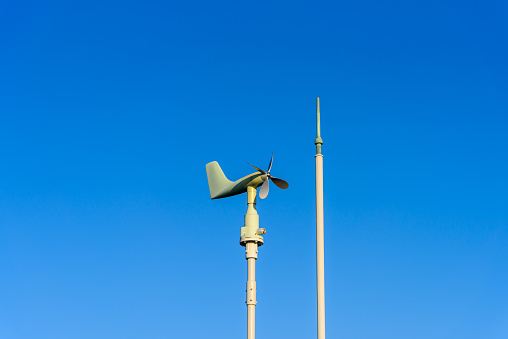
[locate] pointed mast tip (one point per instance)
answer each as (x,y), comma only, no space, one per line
(318,142)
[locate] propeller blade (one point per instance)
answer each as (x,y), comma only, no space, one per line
(260,170)
(263,191)
(270,166)
(280,183)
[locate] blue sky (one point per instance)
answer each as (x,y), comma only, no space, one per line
(110,110)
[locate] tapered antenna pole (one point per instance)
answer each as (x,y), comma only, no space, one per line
(320,246)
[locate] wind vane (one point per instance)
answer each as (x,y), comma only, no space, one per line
(221,187)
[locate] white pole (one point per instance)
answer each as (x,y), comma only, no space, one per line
(251,254)
(251,239)
(320,247)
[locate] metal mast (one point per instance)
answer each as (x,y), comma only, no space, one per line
(251,238)
(320,247)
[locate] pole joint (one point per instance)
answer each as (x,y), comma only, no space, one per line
(251,293)
(251,250)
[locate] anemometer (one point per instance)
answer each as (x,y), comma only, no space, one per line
(251,235)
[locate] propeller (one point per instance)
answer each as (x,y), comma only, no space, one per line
(263,191)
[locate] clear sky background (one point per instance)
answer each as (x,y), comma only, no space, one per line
(109,111)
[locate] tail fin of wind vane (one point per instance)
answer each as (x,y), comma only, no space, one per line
(216,178)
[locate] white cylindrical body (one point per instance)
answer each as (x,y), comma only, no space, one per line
(320,248)
(251,254)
